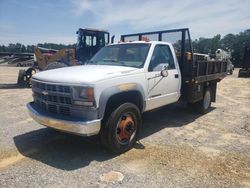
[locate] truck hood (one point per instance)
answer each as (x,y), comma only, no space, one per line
(84,74)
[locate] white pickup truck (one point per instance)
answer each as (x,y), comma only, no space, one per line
(108,95)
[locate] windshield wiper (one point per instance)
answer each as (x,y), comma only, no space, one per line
(90,62)
(109,60)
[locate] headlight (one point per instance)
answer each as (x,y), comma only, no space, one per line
(83,96)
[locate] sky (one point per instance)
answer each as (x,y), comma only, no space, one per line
(56,21)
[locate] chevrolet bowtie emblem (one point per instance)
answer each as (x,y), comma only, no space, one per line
(45,92)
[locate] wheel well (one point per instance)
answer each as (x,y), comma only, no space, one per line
(117,99)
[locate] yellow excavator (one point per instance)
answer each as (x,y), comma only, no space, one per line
(61,58)
(89,41)
(50,60)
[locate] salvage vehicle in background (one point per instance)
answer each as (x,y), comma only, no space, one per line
(223,55)
(108,95)
(19,59)
(89,41)
(245,70)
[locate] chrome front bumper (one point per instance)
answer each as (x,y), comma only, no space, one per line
(84,128)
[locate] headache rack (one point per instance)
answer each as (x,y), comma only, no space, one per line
(195,72)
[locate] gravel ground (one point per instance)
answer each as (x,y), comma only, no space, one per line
(177,148)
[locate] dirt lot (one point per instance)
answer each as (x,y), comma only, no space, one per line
(177,147)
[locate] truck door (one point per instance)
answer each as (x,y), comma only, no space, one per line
(162,90)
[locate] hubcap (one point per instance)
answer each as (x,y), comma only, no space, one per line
(125,129)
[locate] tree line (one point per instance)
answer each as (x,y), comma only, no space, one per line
(234,43)
(19,48)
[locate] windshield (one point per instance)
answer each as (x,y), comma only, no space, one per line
(86,41)
(130,55)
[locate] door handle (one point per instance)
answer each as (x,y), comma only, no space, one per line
(176,75)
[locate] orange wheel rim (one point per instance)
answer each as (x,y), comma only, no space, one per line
(126,128)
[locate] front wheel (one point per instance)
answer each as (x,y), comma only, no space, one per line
(120,131)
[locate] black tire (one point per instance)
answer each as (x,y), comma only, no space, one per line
(29,73)
(240,74)
(231,71)
(244,73)
(204,105)
(21,76)
(128,117)
(55,65)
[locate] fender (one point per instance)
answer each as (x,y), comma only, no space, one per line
(122,88)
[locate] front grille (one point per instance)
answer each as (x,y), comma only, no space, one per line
(52,98)
(51,87)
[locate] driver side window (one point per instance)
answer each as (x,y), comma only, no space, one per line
(161,56)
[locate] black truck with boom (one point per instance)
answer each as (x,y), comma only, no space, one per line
(245,70)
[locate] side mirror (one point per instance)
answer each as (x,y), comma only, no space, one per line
(164,71)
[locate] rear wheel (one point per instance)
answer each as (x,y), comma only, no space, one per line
(204,105)
(120,131)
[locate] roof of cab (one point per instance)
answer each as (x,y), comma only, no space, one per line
(142,42)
